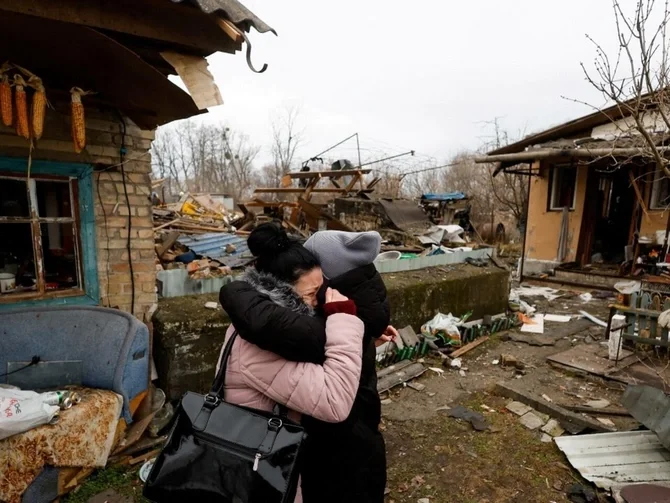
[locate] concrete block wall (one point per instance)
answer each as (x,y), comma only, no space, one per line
(104,139)
(188,337)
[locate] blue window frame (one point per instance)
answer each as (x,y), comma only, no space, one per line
(82,217)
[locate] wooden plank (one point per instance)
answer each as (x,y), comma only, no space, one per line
(177,24)
(315,213)
(572,422)
(144,457)
(295,190)
(231,30)
(396,378)
(640,199)
(328,174)
(168,242)
(469,346)
(393,368)
(598,412)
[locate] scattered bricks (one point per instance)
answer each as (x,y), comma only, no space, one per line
(546,438)
(531,421)
(518,408)
(553,428)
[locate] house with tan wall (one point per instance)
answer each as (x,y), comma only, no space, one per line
(597,202)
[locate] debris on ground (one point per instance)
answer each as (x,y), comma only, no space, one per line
(593,319)
(572,422)
(533,340)
(477,420)
(518,408)
(651,407)
(598,404)
(553,428)
(595,455)
(535,325)
(531,421)
(578,493)
(395,375)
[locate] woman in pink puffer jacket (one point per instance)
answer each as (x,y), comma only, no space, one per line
(290,276)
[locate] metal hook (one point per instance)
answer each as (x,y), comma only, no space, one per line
(265,65)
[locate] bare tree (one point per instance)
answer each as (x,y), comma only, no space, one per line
(205,158)
(286,139)
(636,78)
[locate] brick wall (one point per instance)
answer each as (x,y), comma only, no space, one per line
(104,138)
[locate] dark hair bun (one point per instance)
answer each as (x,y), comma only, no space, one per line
(268,240)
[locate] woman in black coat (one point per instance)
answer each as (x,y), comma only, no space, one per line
(351,466)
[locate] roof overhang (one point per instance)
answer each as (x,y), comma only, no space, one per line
(115,48)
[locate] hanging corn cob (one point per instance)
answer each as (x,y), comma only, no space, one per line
(39,106)
(78,122)
(21,104)
(6,100)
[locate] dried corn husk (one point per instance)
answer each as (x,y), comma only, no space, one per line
(6,100)
(21,103)
(78,121)
(39,106)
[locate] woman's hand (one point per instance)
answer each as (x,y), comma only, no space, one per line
(389,335)
(333,295)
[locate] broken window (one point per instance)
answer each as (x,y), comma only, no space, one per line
(563,187)
(39,244)
(660,192)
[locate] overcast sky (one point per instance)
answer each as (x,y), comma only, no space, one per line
(422,74)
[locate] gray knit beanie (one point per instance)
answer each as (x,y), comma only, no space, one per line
(339,252)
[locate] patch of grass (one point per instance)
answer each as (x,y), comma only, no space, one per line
(123,480)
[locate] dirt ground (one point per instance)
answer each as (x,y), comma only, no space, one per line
(445,460)
(433,456)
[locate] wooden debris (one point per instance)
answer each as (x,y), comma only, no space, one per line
(574,423)
(396,378)
(144,457)
(599,412)
(470,346)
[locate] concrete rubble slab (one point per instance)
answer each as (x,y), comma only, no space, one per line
(531,421)
(518,408)
(553,428)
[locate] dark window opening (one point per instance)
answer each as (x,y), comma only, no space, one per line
(563,187)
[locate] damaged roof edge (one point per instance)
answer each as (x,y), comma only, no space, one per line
(601,116)
(235,12)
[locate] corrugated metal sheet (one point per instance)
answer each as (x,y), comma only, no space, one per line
(177,283)
(234,11)
(650,406)
(614,460)
(448,196)
(406,215)
(213,245)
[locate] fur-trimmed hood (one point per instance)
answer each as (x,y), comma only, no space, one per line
(279,292)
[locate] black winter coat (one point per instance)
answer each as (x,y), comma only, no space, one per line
(343,462)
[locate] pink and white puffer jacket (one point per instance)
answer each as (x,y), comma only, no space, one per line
(260,379)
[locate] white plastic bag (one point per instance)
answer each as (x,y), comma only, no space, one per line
(444,326)
(22,411)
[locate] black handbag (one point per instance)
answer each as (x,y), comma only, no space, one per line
(221,452)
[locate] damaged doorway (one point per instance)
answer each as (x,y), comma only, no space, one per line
(608,217)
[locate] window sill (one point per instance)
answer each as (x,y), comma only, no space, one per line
(56,298)
(559,210)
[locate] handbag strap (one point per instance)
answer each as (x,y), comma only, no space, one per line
(216,392)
